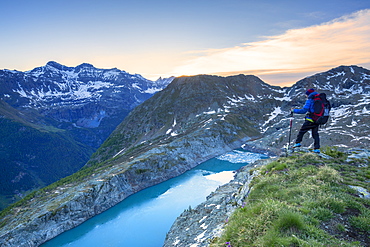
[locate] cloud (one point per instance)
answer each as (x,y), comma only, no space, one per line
(342,41)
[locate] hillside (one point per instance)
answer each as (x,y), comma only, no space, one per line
(193,119)
(190,104)
(302,200)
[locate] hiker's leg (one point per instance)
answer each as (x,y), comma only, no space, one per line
(305,127)
(316,137)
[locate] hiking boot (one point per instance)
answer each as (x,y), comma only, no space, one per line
(317,151)
(297,145)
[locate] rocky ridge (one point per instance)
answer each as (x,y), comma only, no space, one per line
(198,227)
(193,119)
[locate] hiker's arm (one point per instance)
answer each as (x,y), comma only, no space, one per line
(305,108)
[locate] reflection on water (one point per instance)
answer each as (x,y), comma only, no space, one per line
(143,219)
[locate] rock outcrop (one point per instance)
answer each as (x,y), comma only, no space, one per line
(198,226)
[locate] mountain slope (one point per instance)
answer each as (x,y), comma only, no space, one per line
(208,103)
(347,88)
(6,111)
(193,119)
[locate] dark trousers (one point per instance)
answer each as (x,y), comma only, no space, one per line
(307,125)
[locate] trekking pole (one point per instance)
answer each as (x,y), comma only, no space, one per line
(290,132)
(290,128)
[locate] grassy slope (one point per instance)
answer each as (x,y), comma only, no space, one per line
(303,200)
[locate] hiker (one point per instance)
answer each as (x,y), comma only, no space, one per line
(309,123)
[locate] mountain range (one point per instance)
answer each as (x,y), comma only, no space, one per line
(239,106)
(191,120)
(54,117)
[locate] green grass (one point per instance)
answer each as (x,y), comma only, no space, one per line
(294,197)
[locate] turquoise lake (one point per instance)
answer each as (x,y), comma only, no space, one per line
(143,219)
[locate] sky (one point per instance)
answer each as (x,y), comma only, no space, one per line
(280,41)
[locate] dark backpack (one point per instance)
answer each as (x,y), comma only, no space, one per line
(321,109)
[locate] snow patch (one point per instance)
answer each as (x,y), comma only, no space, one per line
(365,111)
(237,156)
(152,90)
(200,237)
(119,153)
(204,226)
(135,85)
(177,241)
(336,75)
(204,217)
(353,124)
(285,98)
(111,74)
(210,112)
(352,70)
(273,115)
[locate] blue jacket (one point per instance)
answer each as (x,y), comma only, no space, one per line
(308,106)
